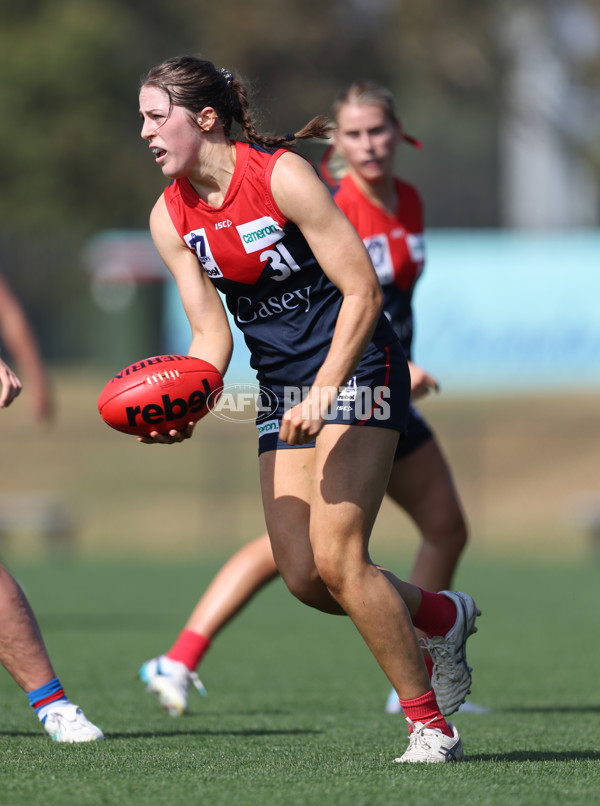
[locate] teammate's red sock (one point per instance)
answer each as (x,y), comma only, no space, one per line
(189,648)
(426,710)
(436,614)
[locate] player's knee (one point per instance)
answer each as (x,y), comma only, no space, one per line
(447,530)
(332,568)
(305,586)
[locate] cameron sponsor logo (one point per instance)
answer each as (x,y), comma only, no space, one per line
(259,233)
(270,427)
(244,402)
(249,310)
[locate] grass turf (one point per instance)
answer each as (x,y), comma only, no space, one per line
(294,714)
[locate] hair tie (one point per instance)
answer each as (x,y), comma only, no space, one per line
(226,75)
(290,136)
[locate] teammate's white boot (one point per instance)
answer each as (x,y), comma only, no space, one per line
(170,680)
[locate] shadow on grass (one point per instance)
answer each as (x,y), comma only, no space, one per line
(157,734)
(170,734)
(536,755)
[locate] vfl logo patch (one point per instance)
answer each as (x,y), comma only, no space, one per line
(259,233)
(416,247)
(378,248)
(198,243)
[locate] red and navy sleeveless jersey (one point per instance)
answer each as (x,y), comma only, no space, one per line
(395,244)
(273,286)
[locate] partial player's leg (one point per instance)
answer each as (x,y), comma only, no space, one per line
(236,583)
(24,656)
(421,483)
(247,572)
(286,480)
(351,471)
(352,466)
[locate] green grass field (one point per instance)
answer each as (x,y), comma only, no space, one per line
(295,714)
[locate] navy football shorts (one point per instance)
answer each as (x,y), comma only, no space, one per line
(377,395)
(418,434)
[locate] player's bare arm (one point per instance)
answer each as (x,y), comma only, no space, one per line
(211,334)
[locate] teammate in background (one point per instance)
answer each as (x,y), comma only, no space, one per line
(18,338)
(22,650)
(387,214)
(301,287)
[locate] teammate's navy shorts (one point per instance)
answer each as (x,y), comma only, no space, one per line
(418,433)
(377,395)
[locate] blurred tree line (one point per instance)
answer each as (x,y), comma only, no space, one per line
(73,162)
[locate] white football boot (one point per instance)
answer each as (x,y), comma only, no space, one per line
(170,680)
(431,746)
(68,723)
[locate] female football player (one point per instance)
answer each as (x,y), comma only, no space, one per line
(388,215)
(253,220)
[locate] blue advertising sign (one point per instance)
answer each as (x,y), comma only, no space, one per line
(495,311)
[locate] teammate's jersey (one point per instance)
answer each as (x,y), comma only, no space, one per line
(395,244)
(276,291)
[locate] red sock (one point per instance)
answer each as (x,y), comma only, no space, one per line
(189,648)
(426,710)
(436,614)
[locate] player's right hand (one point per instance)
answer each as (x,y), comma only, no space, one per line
(421,383)
(155,438)
(11,385)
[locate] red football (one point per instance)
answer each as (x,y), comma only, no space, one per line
(160,393)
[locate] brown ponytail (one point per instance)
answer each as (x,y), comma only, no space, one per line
(196,83)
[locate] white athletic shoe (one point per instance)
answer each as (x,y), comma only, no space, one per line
(451,675)
(430,745)
(68,723)
(170,680)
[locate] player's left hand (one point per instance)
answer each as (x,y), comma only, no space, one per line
(155,438)
(421,383)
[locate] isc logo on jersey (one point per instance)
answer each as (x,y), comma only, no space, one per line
(259,233)
(198,243)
